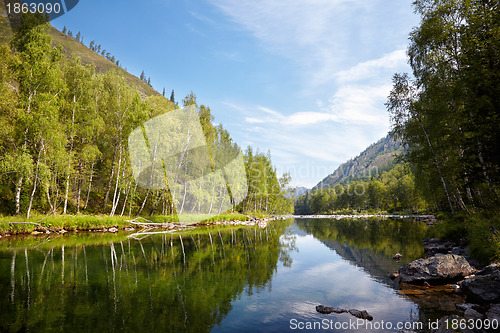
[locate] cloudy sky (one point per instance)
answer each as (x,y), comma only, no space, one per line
(305,79)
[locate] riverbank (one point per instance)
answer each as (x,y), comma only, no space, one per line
(38,224)
(362,216)
(14,225)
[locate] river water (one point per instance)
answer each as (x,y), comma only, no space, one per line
(217,279)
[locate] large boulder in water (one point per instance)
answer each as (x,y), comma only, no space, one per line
(441,269)
(484,287)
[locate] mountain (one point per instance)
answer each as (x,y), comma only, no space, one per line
(296,192)
(375,159)
(73,47)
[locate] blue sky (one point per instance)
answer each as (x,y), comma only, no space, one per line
(305,79)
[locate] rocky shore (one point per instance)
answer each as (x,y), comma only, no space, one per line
(446,267)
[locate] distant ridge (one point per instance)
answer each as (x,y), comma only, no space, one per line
(375,159)
(296,192)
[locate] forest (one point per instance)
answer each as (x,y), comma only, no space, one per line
(447,115)
(391,191)
(64,127)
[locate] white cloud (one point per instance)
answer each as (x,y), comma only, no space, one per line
(372,68)
(323,36)
(346,52)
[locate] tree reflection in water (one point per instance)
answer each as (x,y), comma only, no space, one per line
(165,282)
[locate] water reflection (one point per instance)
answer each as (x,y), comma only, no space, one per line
(371,244)
(213,279)
(169,282)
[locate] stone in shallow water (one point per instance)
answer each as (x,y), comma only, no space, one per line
(363,314)
(329,309)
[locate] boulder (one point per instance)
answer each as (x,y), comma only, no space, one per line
(329,309)
(494,312)
(363,314)
(441,269)
(484,286)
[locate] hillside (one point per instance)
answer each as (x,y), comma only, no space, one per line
(72,47)
(375,159)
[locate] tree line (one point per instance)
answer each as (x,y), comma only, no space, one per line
(391,191)
(63,136)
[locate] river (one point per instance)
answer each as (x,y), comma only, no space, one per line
(217,279)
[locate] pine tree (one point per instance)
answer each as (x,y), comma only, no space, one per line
(163,92)
(64,30)
(143,76)
(172,97)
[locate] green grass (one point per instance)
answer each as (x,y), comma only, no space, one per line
(59,222)
(483,244)
(93,222)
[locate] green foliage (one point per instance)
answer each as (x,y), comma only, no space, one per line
(479,231)
(64,128)
(392,190)
(448,113)
(266,192)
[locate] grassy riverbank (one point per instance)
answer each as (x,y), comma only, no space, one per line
(89,222)
(481,233)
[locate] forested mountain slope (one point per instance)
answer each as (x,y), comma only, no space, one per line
(72,47)
(375,159)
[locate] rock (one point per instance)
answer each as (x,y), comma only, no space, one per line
(443,324)
(484,287)
(113,229)
(62,231)
(437,269)
(494,312)
(470,313)
(129,229)
(394,275)
(363,314)
(397,256)
(434,246)
(35,232)
(458,250)
(329,309)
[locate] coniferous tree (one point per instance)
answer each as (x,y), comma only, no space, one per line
(172,97)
